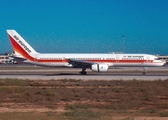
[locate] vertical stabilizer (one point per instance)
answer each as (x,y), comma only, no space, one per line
(20,46)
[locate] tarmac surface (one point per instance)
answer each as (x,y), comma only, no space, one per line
(46,73)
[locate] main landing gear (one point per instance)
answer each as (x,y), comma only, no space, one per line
(144,70)
(83,72)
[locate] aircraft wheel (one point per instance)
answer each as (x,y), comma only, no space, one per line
(83,72)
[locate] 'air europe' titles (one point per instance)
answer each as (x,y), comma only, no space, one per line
(22,44)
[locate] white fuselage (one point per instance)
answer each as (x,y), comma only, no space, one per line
(122,60)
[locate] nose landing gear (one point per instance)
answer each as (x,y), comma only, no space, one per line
(83,72)
(144,70)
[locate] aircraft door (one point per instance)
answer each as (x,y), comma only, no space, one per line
(36,58)
(147,59)
(117,58)
(63,59)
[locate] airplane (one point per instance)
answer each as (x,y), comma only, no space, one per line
(96,62)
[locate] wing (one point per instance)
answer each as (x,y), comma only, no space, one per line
(80,63)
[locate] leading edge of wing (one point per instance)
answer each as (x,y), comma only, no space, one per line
(18,59)
(80,62)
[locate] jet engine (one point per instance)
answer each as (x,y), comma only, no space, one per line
(99,67)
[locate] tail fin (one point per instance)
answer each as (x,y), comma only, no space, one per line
(20,46)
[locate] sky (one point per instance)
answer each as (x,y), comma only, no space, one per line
(87,26)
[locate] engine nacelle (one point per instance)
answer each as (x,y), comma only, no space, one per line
(99,67)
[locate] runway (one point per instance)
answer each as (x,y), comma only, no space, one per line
(43,73)
(87,77)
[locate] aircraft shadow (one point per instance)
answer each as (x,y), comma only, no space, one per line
(74,74)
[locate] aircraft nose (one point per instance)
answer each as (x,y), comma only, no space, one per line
(164,62)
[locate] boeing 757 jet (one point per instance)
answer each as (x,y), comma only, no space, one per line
(95,62)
